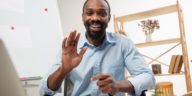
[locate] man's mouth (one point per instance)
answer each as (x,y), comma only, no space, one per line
(95,27)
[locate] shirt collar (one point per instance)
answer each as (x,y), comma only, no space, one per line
(109,39)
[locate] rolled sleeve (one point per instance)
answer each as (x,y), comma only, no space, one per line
(142,82)
(44,90)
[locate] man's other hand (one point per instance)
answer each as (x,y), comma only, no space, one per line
(106,84)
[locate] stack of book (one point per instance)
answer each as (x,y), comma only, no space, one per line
(176,64)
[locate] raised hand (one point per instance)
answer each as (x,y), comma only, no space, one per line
(70,57)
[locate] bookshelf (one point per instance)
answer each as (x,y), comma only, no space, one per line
(119,28)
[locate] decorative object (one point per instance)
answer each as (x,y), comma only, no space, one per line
(148,26)
(164,89)
(156,68)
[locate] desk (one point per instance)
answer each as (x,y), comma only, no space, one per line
(31,85)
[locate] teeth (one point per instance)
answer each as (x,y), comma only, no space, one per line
(96,25)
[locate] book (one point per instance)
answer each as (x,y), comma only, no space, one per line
(172,63)
(178,64)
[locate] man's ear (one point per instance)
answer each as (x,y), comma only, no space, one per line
(109,18)
(82,17)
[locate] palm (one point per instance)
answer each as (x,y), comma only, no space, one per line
(70,57)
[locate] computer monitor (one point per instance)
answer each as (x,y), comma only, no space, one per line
(10,85)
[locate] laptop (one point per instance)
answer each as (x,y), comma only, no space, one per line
(10,85)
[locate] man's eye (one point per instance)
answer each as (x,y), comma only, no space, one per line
(102,14)
(89,13)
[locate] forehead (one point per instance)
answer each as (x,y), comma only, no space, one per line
(96,4)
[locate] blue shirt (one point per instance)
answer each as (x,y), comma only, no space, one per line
(113,56)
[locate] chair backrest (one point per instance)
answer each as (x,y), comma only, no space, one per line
(68,86)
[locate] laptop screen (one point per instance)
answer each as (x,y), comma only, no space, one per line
(10,85)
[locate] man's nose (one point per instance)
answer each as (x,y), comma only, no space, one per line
(95,17)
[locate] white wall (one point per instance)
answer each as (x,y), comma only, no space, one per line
(70,12)
(71,19)
(35,40)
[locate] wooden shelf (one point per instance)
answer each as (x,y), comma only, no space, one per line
(149,13)
(31,78)
(169,74)
(160,75)
(119,28)
(162,42)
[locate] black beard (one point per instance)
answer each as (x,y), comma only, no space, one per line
(95,35)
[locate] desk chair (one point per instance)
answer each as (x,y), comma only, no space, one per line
(68,86)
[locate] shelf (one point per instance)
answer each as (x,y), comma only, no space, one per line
(160,75)
(169,74)
(149,13)
(119,28)
(30,78)
(155,43)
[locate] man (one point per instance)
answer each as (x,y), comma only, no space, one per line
(96,63)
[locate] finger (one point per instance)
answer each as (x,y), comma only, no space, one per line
(106,89)
(104,82)
(74,35)
(64,42)
(77,38)
(100,76)
(71,38)
(83,50)
(76,41)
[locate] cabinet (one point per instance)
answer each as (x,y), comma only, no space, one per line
(119,28)
(31,86)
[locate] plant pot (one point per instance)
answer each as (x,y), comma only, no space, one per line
(148,37)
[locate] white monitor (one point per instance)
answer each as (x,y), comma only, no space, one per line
(10,85)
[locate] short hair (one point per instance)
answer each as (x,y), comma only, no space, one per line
(104,0)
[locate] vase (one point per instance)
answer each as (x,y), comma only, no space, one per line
(148,37)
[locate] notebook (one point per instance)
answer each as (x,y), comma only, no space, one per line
(10,85)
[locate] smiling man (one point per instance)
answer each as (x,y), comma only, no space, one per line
(95,63)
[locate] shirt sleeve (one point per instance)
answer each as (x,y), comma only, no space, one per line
(44,90)
(142,76)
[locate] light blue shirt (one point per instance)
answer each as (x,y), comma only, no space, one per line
(116,54)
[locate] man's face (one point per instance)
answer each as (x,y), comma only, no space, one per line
(96,17)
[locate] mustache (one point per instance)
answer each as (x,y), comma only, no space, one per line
(95,22)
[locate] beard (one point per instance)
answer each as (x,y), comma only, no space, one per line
(95,29)
(95,35)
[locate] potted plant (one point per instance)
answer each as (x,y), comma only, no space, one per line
(148,26)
